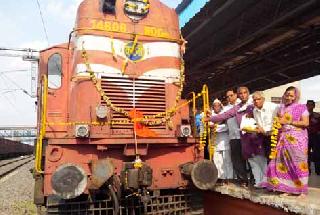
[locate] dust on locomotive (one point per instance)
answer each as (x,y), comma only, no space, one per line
(111,111)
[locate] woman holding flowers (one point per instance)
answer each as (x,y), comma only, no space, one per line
(287,171)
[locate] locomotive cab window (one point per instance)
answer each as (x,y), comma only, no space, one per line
(54,71)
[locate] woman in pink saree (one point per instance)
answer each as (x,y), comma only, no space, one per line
(288,171)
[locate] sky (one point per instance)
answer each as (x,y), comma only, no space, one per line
(21,27)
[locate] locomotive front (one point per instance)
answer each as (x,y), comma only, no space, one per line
(111,115)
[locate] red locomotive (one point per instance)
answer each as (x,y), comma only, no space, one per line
(112,123)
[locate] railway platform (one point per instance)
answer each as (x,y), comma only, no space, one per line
(231,199)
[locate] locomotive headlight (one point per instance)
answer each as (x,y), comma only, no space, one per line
(185,130)
(82,131)
(69,181)
(102,111)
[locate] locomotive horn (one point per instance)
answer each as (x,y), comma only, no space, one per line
(108,6)
(204,173)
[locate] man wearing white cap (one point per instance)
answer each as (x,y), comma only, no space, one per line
(222,154)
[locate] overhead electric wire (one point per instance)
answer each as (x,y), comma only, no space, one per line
(4,91)
(13,82)
(14,70)
(3,75)
(6,98)
(43,24)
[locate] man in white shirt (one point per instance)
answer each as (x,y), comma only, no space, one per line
(222,154)
(264,113)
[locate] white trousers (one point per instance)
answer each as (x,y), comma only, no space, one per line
(258,165)
(222,160)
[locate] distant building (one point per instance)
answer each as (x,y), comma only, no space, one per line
(275,94)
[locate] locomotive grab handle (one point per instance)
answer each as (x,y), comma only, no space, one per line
(42,130)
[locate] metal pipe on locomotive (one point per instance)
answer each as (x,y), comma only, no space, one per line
(110,111)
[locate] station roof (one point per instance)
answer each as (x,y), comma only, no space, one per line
(259,44)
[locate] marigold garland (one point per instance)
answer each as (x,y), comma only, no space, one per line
(203,138)
(274,137)
(213,139)
(203,133)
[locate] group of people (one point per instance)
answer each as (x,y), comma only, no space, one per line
(265,140)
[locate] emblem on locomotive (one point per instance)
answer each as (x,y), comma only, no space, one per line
(134,51)
(136,9)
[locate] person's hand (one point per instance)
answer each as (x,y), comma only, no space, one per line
(206,119)
(212,125)
(260,130)
(249,115)
(284,121)
(208,113)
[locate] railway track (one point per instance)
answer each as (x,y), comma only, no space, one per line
(12,160)
(8,166)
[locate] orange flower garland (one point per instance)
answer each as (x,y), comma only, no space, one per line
(274,137)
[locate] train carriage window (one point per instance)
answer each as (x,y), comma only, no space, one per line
(54,71)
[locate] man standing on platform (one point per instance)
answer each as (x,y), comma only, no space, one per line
(314,137)
(222,156)
(264,113)
(239,165)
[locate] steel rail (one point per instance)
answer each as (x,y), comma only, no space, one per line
(10,170)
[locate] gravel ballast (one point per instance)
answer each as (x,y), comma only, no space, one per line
(16,192)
